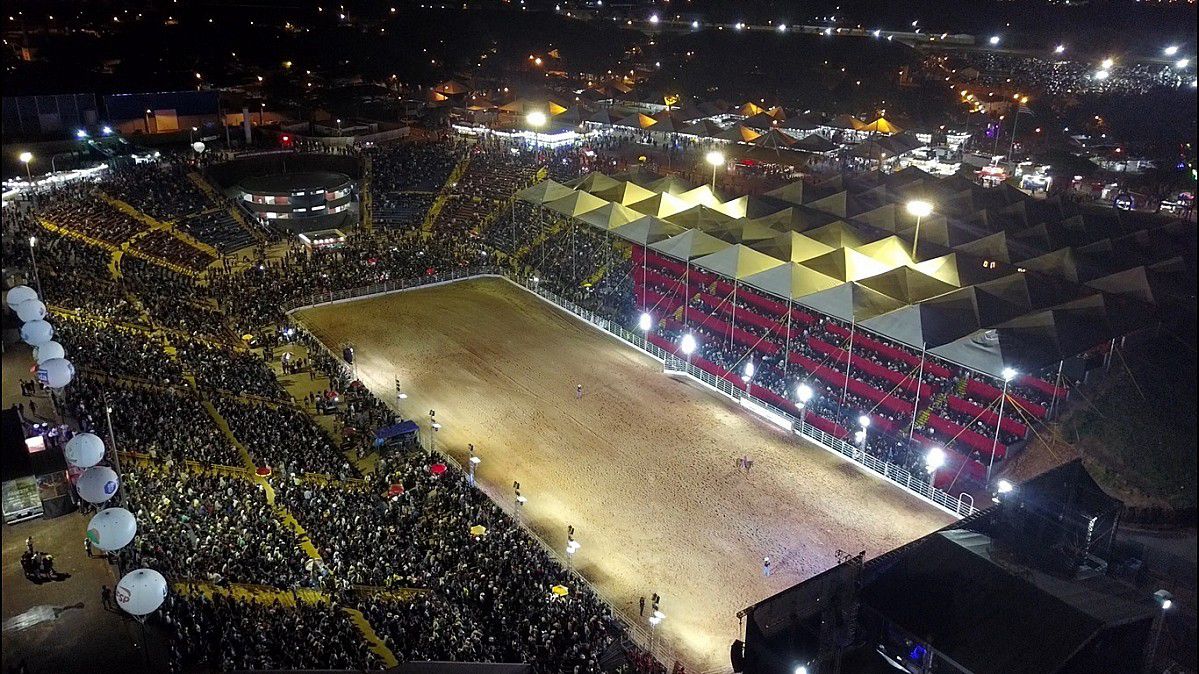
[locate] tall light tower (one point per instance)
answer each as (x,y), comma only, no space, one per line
(920,209)
(716,159)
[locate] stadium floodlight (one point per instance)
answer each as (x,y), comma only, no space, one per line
(694,25)
(804,393)
(688,344)
(994,40)
(1171,50)
(536,119)
(934,459)
(1107,63)
(1005,487)
(653,18)
(1182,63)
(801,669)
(26,157)
(740,25)
(1060,49)
(920,209)
(716,159)
(654,620)
(1102,74)
(80,133)
(645,322)
(749,372)
(1009,374)
(106,130)
(864,421)
(782,28)
(1164,599)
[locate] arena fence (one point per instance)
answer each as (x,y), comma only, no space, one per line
(960,506)
(672,365)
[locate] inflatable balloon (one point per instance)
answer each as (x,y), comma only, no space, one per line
(198,146)
(30,310)
(48,351)
(141,592)
(112,529)
(36,333)
(84,450)
(19,294)
(56,372)
(97,484)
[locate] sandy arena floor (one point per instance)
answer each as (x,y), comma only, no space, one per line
(643,466)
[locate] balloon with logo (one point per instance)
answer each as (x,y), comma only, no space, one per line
(30,310)
(55,373)
(198,146)
(18,294)
(36,333)
(141,592)
(112,529)
(84,450)
(48,351)
(97,484)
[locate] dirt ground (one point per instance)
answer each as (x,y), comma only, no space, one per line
(643,465)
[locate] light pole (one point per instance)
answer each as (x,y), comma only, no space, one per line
(804,394)
(1008,375)
(33,257)
(572,546)
(688,345)
(146,120)
(1164,601)
(338,127)
(715,158)
(1002,488)
(920,209)
(536,120)
(748,374)
(261,113)
(26,159)
(191,135)
(864,422)
(654,621)
(645,322)
(474,463)
(934,459)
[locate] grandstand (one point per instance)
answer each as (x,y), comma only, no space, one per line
(806,277)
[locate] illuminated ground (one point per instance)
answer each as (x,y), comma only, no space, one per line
(644,466)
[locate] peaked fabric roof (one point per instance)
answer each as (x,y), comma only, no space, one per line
(703,128)
(791,192)
(623,192)
(737,262)
(575,204)
(790,280)
(609,216)
(699,217)
(671,184)
(850,302)
(907,285)
(690,244)
(546,190)
(738,133)
(647,230)
(743,231)
(845,264)
(662,205)
(891,250)
(702,195)
(594,182)
(792,247)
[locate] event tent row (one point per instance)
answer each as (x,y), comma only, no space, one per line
(993,280)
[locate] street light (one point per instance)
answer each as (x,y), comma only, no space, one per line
(715,158)
(804,394)
(106,130)
(920,209)
(80,134)
(645,322)
(1171,50)
(994,40)
(1107,63)
(33,257)
(1061,48)
(934,459)
(1164,600)
(688,345)
(536,119)
(749,372)
(27,158)
(1182,63)
(1008,375)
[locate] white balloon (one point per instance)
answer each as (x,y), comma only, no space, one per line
(18,294)
(56,372)
(112,529)
(198,146)
(36,333)
(48,351)
(141,591)
(84,450)
(30,310)
(97,484)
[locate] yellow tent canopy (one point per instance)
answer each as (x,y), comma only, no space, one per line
(560,590)
(750,109)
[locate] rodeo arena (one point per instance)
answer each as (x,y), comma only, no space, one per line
(591,393)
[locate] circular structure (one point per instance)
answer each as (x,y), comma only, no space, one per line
(297,196)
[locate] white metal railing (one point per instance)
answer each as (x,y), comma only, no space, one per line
(918,484)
